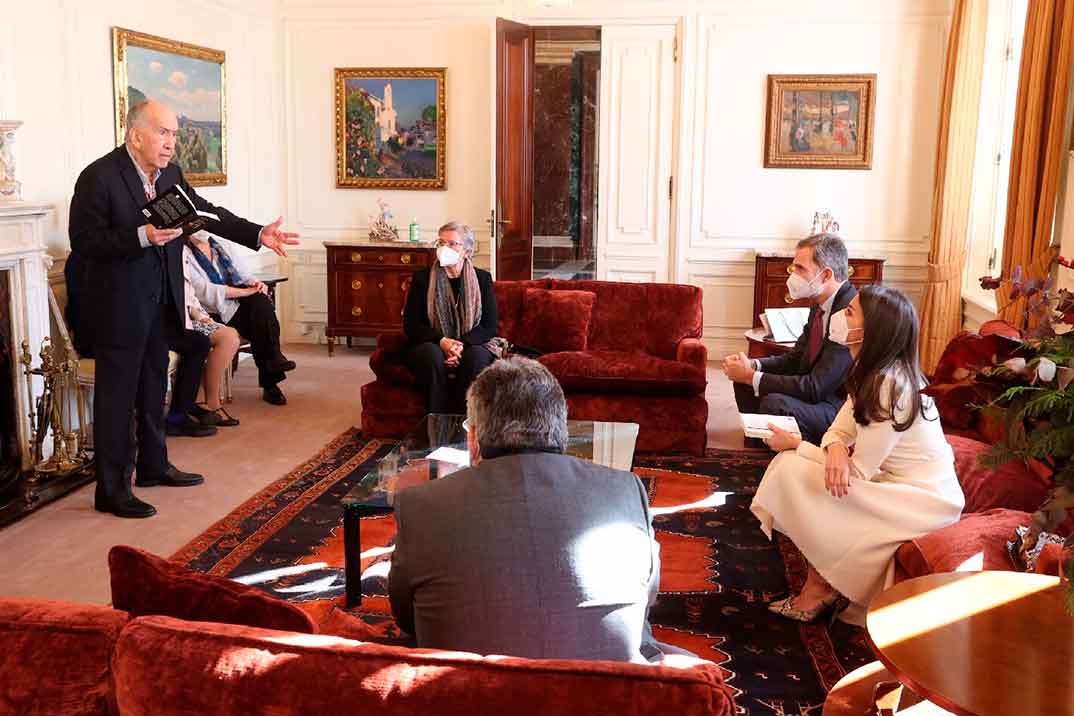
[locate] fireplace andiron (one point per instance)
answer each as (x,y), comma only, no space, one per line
(50,411)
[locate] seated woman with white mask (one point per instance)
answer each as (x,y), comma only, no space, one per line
(848,513)
(450,321)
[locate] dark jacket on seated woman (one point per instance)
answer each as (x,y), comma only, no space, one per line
(463,309)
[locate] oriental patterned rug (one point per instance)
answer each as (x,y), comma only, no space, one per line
(718,570)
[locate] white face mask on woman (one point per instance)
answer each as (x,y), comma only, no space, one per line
(447,256)
(839,331)
(799,288)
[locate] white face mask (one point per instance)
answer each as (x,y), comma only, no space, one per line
(839,331)
(447,256)
(799,288)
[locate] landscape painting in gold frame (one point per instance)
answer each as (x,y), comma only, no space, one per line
(391,128)
(820,121)
(189,79)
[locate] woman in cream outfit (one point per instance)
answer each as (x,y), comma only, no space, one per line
(848,513)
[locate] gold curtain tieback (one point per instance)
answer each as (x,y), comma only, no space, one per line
(947,271)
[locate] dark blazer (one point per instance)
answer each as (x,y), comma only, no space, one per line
(821,381)
(416,323)
(537,555)
(121,281)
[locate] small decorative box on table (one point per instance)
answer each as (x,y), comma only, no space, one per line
(367,286)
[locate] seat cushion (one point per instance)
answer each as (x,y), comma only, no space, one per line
(143,583)
(623,372)
(1013,486)
(555,320)
(55,657)
(388,366)
(228,669)
(976,542)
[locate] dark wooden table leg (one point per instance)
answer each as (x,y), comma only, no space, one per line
(352,557)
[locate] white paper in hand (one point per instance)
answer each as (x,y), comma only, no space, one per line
(451,455)
(756,426)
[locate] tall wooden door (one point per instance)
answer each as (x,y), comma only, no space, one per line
(513,229)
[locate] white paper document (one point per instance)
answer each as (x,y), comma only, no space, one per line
(452,455)
(785,324)
(756,426)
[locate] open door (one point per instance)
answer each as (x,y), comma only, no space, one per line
(513,218)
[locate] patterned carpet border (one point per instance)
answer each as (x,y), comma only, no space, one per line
(239,533)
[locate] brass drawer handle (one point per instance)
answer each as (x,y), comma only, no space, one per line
(405,258)
(381,258)
(356,311)
(790,268)
(356,257)
(356,285)
(787,298)
(380,285)
(850,271)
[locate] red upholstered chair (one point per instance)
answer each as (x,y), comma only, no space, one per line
(641,360)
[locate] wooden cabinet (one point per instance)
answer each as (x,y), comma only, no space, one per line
(770,282)
(367,286)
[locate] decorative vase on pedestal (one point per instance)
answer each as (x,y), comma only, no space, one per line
(10,188)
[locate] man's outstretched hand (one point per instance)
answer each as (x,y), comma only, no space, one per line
(273,238)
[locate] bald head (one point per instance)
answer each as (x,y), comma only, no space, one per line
(151,130)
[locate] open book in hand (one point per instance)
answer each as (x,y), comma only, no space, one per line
(173,209)
(756,426)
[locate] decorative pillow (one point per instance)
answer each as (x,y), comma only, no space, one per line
(554,321)
(145,584)
(1013,486)
(976,542)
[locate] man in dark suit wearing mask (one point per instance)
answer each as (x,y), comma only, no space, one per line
(808,382)
(134,301)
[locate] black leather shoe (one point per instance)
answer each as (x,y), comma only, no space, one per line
(190,428)
(274,396)
(172,477)
(279,365)
(130,507)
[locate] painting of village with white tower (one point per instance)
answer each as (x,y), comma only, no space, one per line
(390,128)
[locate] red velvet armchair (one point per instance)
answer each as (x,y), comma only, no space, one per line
(626,352)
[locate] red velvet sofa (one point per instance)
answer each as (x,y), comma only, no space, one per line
(626,352)
(80,660)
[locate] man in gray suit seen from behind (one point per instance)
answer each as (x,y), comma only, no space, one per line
(529,552)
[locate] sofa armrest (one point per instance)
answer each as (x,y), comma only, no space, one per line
(692,351)
(393,342)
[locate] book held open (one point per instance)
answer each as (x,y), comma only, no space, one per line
(173,209)
(756,425)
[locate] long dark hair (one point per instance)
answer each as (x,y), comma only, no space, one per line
(888,351)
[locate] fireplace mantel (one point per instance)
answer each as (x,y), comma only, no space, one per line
(22,253)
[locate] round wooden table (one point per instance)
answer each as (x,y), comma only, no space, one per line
(758,346)
(979,643)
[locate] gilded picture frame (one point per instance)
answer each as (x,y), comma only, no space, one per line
(188,78)
(820,121)
(391,127)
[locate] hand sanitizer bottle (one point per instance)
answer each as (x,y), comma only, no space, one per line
(415,231)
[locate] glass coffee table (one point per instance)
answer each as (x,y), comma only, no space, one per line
(409,463)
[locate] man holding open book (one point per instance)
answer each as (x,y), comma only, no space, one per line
(808,382)
(135,296)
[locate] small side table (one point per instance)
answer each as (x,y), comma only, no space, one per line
(854,695)
(979,643)
(762,347)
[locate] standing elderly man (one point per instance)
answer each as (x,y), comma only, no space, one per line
(530,552)
(808,382)
(134,284)
(450,321)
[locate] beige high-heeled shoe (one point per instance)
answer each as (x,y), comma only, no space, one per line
(831,607)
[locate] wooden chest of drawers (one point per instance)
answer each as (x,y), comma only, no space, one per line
(367,287)
(770,282)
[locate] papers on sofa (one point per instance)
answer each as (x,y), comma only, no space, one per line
(756,425)
(451,455)
(785,324)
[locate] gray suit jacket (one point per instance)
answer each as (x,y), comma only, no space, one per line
(535,555)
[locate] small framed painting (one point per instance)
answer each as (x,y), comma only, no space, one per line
(820,121)
(187,78)
(391,128)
